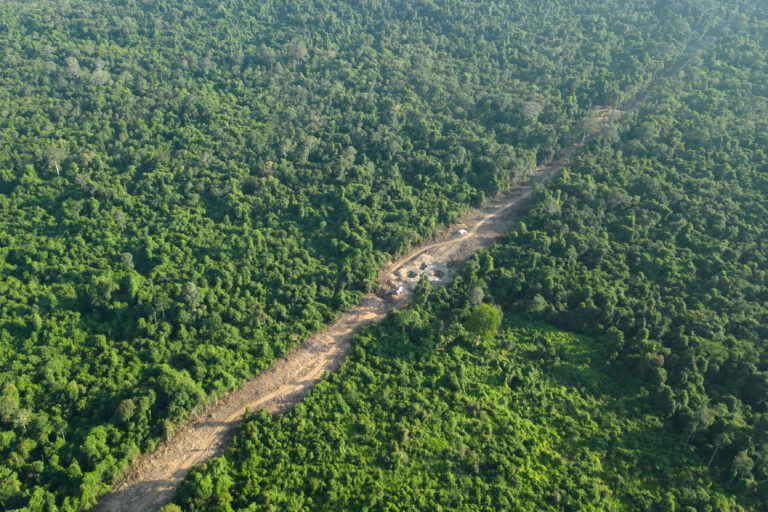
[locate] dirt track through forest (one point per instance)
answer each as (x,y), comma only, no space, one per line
(156,476)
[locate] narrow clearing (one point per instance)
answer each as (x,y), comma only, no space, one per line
(156,476)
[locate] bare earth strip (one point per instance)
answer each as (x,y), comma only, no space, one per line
(156,476)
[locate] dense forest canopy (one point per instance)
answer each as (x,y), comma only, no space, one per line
(658,244)
(655,245)
(532,419)
(187,189)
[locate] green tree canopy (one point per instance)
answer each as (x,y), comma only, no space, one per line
(483,322)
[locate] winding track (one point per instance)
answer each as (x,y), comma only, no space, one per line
(156,476)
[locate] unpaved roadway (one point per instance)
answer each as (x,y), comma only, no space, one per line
(156,476)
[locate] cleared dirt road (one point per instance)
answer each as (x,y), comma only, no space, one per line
(156,476)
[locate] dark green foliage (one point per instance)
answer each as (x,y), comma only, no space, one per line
(655,244)
(187,189)
(659,246)
(533,419)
